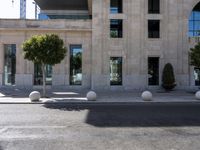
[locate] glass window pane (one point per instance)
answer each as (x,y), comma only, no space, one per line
(75,65)
(196,25)
(191,25)
(154,28)
(153,70)
(194,22)
(197,76)
(115,6)
(38,80)
(196,15)
(116,28)
(9,64)
(154,6)
(191,33)
(116,71)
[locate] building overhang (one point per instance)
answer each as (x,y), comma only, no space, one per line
(63,4)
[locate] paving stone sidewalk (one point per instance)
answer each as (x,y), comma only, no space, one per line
(18,95)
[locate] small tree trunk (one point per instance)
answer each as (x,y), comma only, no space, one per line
(44,79)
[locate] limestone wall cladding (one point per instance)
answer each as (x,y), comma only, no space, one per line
(135,47)
(72,32)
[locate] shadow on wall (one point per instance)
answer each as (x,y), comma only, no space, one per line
(144,115)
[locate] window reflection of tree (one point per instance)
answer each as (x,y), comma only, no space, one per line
(76,66)
(116,71)
(9,64)
(38,75)
(197,76)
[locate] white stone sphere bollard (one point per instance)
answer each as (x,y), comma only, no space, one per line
(197,95)
(147,96)
(34,96)
(91,96)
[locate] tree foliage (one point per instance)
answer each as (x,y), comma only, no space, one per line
(44,49)
(168,79)
(195,55)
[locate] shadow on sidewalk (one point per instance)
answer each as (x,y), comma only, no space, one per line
(155,115)
(1,148)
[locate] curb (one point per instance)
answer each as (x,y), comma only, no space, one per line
(106,103)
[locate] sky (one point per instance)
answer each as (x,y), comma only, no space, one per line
(12,10)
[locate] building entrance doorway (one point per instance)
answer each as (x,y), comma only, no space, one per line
(153,71)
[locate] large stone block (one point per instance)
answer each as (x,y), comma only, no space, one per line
(91,96)
(197,95)
(35,96)
(147,96)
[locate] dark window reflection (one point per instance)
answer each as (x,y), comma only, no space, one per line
(115,6)
(116,71)
(154,28)
(154,6)
(9,64)
(153,70)
(38,80)
(116,28)
(75,65)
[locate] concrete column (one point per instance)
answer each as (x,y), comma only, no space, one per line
(21,77)
(98,80)
(59,77)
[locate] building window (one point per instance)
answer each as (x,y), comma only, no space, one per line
(75,65)
(154,28)
(153,70)
(38,80)
(9,64)
(116,6)
(116,71)
(153,6)
(116,28)
(197,76)
(194,21)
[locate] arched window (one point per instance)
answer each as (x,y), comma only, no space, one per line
(194,21)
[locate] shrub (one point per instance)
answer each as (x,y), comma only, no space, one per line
(168,79)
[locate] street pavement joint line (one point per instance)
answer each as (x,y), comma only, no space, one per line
(29,127)
(3,129)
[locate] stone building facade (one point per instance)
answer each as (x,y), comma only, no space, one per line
(124,45)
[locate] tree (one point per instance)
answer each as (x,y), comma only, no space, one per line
(44,50)
(168,79)
(195,56)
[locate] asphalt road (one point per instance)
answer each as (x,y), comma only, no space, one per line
(134,127)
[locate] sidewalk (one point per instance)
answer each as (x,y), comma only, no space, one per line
(20,96)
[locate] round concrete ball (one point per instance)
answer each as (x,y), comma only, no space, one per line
(147,96)
(197,95)
(91,96)
(34,96)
